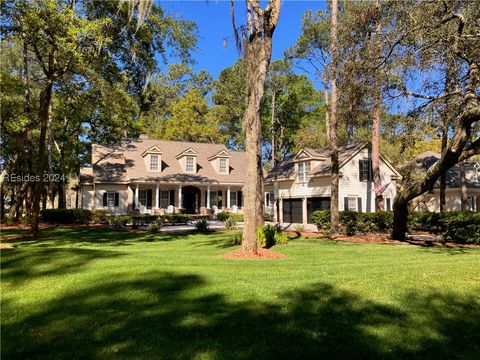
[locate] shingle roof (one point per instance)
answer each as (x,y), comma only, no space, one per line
(286,169)
(125,163)
(425,160)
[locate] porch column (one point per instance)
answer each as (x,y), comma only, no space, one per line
(136,197)
(276,204)
(157,197)
(180,196)
(208,197)
(228,197)
(304,211)
(281,210)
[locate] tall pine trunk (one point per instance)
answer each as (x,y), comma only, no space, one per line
(377,181)
(43,116)
(463,187)
(334,200)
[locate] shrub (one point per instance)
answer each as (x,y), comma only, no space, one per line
(299,228)
(66,216)
(462,227)
(202,226)
(155,226)
(321,218)
(100,215)
(269,235)
(222,216)
(267,217)
(427,221)
(230,224)
(237,239)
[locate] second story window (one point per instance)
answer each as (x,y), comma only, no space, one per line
(223,166)
(365,170)
(189,164)
(153,162)
(303,170)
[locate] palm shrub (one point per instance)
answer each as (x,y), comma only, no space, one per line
(230,224)
(202,226)
(269,235)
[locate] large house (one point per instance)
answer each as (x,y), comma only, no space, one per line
(154,176)
(297,187)
(430,201)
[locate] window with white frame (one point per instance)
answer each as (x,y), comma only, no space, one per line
(223,166)
(142,197)
(303,170)
(216,198)
(164,199)
(110,199)
(352,203)
(190,162)
(153,162)
(270,197)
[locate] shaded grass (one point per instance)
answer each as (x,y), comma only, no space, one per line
(97,293)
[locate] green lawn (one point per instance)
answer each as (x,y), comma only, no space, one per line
(96,293)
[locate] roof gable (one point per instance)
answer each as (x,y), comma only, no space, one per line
(152,150)
(190,151)
(222,153)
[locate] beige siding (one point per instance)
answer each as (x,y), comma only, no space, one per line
(431,201)
(351,186)
(92,197)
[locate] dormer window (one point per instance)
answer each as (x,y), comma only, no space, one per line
(303,170)
(190,163)
(153,162)
(223,166)
(153,158)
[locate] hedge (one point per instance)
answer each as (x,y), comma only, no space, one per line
(223,216)
(66,216)
(453,226)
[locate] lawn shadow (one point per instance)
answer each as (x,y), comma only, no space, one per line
(167,315)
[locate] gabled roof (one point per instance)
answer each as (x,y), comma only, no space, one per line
(189,151)
(308,154)
(125,163)
(427,159)
(153,150)
(223,153)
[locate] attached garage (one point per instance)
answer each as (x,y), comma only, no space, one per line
(292,211)
(316,203)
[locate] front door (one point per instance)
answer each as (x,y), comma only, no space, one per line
(191,199)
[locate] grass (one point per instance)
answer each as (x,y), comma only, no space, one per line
(82,293)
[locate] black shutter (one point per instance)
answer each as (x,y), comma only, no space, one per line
(206,198)
(239,199)
(389,205)
(359,199)
(360,170)
(104,199)
(172,197)
(117,199)
(220,201)
(133,201)
(370,168)
(345,203)
(149,198)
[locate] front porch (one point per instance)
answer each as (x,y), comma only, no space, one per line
(161,198)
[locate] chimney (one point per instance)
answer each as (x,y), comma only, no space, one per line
(143,136)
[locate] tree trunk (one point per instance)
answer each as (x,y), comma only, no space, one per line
(443,177)
(258,52)
(272,125)
(334,216)
(463,184)
(43,116)
(377,181)
(400,218)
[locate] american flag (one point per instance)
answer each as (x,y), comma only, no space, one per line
(381,188)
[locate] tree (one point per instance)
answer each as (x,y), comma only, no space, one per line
(422,31)
(191,121)
(257,42)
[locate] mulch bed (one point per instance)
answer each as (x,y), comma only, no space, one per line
(262,254)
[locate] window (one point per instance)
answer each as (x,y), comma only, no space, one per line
(142,197)
(223,166)
(111,199)
(164,199)
(365,170)
(233,198)
(216,198)
(471,203)
(388,203)
(190,164)
(270,198)
(303,170)
(153,162)
(351,203)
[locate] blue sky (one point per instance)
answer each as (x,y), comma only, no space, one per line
(214,24)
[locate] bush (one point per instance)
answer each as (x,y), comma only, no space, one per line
(299,228)
(462,227)
(321,218)
(267,217)
(100,215)
(427,221)
(176,218)
(155,226)
(202,226)
(66,216)
(230,224)
(223,216)
(269,235)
